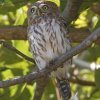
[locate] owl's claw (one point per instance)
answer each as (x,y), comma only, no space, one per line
(51,63)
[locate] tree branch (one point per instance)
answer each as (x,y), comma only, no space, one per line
(85,65)
(20,33)
(70,12)
(82,82)
(38,74)
(13,32)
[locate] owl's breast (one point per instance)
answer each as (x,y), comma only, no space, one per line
(47,39)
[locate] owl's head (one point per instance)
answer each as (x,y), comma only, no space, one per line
(43,8)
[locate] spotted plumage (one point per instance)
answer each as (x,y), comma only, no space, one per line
(46,35)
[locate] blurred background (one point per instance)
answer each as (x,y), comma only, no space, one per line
(85,65)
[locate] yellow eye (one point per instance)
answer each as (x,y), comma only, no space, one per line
(45,7)
(32,10)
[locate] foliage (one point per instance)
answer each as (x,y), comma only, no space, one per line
(14,12)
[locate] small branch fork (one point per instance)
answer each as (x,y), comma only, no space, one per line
(39,74)
(10,47)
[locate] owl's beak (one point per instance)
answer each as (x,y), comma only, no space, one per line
(39,13)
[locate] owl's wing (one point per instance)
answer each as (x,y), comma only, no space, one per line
(63,21)
(65,26)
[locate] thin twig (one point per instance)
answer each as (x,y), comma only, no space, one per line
(37,74)
(82,82)
(70,12)
(10,47)
(85,65)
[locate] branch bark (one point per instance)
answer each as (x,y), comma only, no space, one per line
(13,32)
(38,74)
(70,12)
(20,33)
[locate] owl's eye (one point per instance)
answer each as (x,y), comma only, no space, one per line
(32,10)
(45,7)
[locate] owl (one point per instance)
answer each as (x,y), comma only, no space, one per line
(47,38)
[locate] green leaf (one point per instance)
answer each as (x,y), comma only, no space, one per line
(56,1)
(11,5)
(97,78)
(63,4)
(1,2)
(95,95)
(97,24)
(50,93)
(92,53)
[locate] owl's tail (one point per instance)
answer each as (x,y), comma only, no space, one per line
(64,88)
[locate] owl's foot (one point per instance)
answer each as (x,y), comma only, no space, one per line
(51,63)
